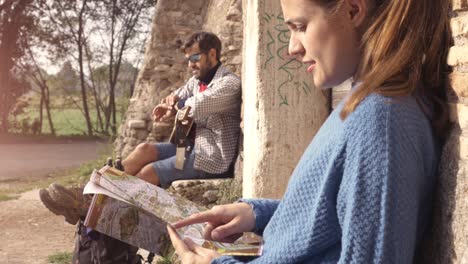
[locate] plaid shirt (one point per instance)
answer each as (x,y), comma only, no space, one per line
(216,112)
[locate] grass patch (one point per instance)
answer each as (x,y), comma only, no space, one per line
(164,261)
(67,121)
(230,191)
(60,258)
(6,197)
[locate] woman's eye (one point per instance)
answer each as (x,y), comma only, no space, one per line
(297,28)
(301,28)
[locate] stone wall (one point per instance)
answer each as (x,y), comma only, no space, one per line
(164,69)
(224,18)
(448,242)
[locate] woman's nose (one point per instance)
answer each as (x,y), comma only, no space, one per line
(295,47)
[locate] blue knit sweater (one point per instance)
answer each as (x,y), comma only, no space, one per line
(361,192)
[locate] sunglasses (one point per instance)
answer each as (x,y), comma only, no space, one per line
(194,57)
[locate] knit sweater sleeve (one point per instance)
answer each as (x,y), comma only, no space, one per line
(263,210)
(226,260)
(379,198)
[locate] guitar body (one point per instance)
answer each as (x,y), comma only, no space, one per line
(182,126)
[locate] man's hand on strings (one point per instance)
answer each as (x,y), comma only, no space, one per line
(162,112)
(170,100)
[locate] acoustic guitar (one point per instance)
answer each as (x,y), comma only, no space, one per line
(182,126)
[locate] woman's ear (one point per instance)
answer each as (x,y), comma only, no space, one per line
(356,11)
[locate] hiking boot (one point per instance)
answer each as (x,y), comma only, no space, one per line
(69,202)
(109,162)
(71,216)
(118,164)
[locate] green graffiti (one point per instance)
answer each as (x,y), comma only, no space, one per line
(279,35)
(306,87)
(270,53)
(288,67)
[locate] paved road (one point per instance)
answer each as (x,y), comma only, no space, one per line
(30,160)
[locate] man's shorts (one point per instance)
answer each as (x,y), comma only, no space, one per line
(167,173)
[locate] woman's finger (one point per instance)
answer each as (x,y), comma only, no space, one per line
(179,245)
(207,231)
(230,239)
(207,216)
(226,231)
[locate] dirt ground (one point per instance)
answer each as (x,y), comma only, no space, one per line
(29,232)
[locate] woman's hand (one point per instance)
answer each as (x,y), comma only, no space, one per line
(188,251)
(224,223)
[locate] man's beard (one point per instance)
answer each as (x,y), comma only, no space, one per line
(204,71)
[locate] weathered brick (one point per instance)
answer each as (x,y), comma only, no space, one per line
(459,4)
(459,83)
(459,26)
(458,55)
(459,114)
(137,124)
(453,112)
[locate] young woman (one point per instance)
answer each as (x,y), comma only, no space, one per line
(361,193)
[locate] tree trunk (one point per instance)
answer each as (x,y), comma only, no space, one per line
(41,115)
(82,79)
(97,99)
(111,104)
(114,70)
(11,26)
(47,107)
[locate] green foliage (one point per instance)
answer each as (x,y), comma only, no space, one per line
(164,260)
(60,258)
(230,191)
(84,171)
(66,81)
(97,37)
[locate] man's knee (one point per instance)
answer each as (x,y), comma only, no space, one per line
(147,174)
(146,149)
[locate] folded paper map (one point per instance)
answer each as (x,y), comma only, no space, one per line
(137,212)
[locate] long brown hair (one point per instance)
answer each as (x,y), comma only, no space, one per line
(404,52)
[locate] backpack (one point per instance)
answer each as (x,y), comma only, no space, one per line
(92,247)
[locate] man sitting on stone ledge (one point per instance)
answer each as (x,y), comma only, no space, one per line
(214,96)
